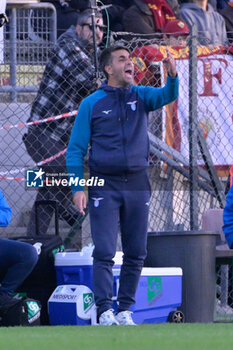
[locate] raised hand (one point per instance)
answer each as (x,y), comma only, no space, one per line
(170,64)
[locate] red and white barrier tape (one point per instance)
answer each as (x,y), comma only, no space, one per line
(50,119)
(12,178)
(45,161)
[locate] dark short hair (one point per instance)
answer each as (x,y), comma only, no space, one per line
(106,56)
(84,15)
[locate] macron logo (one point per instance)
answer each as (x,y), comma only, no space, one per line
(107,112)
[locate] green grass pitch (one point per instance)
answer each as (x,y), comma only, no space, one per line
(142,337)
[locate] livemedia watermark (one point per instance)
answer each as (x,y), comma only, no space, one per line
(39,178)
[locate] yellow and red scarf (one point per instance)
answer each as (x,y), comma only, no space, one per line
(162,12)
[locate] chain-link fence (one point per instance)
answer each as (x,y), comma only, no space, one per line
(198,124)
(168,128)
(191,139)
(191,144)
(25,44)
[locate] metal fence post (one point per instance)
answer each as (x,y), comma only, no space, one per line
(193,129)
(53,26)
(168,199)
(13,54)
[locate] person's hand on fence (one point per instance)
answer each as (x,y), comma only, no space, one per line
(80,201)
(170,64)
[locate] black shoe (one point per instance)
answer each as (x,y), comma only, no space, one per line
(6,302)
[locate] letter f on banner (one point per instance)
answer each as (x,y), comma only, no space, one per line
(208,75)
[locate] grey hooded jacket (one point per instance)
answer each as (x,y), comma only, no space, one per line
(210,24)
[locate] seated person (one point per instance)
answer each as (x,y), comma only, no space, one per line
(17,260)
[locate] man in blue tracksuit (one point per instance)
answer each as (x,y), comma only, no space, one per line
(113,120)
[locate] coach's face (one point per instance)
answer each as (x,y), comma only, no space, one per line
(121,70)
(85,31)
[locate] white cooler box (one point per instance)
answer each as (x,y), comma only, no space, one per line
(71,305)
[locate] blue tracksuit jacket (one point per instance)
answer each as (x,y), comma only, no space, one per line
(5,211)
(114,122)
(228,218)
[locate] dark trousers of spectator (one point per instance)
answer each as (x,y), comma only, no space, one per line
(125,201)
(17,260)
(41,147)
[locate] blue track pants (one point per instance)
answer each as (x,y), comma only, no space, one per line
(122,201)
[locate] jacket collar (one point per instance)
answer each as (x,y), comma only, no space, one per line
(104,86)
